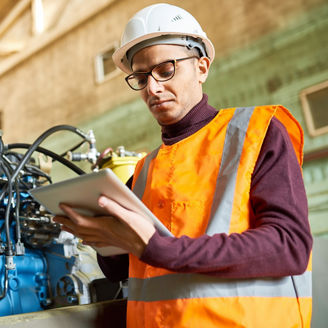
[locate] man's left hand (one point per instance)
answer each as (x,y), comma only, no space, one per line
(121,228)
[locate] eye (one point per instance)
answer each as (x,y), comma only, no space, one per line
(164,70)
(141,79)
(137,80)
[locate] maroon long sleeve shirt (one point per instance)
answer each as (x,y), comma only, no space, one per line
(280,242)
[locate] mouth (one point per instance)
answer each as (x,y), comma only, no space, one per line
(158,103)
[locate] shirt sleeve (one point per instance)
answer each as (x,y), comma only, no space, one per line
(278,244)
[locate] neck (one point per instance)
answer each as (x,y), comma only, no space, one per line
(195,119)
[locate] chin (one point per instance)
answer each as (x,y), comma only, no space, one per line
(166,115)
(167,120)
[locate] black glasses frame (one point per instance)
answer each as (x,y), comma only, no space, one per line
(150,73)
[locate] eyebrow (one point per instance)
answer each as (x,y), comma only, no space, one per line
(151,67)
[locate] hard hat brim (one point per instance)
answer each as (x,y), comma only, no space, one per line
(119,56)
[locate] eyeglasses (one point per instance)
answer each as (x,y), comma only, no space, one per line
(161,73)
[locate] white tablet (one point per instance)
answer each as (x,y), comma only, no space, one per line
(82,194)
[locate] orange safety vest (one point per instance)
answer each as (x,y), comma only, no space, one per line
(201,185)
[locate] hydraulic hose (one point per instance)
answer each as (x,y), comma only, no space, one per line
(5,163)
(50,153)
(18,230)
(74,147)
(12,175)
(40,139)
(9,250)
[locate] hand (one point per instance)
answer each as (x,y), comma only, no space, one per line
(122,228)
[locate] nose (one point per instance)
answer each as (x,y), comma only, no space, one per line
(154,87)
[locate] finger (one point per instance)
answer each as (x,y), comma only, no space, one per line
(95,244)
(72,214)
(79,235)
(136,222)
(80,221)
(114,208)
(69,226)
(64,223)
(95,241)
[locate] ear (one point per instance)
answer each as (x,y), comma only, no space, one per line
(203,68)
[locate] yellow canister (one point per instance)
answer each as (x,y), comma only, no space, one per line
(123,167)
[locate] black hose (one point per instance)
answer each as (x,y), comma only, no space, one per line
(1,144)
(31,169)
(18,229)
(35,171)
(9,250)
(50,153)
(5,163)
(40,139)
(11,176)
(73,148)
(44,151)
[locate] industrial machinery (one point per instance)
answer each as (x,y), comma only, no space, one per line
(42,267)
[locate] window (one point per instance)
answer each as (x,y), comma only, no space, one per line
(315,105)
(104,65)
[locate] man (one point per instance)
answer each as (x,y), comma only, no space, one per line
(226,183)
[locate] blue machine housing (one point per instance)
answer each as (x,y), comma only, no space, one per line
(37,263)
(27,284)
(41,266)
(45,270)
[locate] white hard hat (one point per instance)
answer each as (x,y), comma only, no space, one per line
(161,24)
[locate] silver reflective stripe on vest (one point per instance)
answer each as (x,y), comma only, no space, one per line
(140,185)
(225,185)
(303,284)
(188,285)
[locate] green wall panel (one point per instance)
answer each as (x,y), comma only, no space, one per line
(275,69)
(272,70)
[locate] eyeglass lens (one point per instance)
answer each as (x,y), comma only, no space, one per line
(161,72)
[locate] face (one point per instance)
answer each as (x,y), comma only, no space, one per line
(171,100)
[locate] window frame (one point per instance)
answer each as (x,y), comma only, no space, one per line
(314,132)
(100,75)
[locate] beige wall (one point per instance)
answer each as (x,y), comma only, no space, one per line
(55,83)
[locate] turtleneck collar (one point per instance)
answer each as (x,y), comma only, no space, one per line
(194,120)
